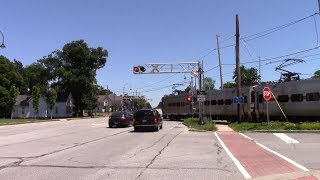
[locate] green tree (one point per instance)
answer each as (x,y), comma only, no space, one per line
(36,93)
(34,74)
(316,74)
(229,85)
(52,99)
(9,78)
(208,83)
(74,69)
(14,92)
(249,76)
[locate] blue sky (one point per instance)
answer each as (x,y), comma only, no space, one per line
(167,31)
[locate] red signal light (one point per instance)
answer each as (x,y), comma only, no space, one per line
(189,98)
(136,69)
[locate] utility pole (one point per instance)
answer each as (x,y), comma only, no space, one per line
(319,6)
(260,67)
(238,67)
(221,82)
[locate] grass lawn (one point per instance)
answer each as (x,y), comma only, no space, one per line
(22,121)
(275,125)
(193,123)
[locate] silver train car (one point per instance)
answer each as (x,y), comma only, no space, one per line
(299,100)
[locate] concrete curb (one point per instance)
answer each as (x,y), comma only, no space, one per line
(197,130)
(283,131)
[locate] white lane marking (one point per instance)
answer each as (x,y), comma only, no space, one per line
(94,124)
(246,136)
(234,159)
(283,157)
(285,138)
(278,154)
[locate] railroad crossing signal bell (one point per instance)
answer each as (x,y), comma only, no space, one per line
(138,69)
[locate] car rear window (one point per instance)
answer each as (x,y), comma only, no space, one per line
(144,113)
(117,114)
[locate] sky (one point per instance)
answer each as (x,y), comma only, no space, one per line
(137,32)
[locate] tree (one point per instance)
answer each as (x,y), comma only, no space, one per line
(74,69)
(208,83)
(9,77)
(52,99)
(34,74)
(249,77)
(14,92)
(229,85)
(36,93)
(316,74)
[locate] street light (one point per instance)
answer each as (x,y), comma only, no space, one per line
(2,44)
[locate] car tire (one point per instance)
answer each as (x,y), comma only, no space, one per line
(135,129)
(161,126)
(156,128)
(110,125)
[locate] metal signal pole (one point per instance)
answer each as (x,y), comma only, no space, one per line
(238,67)
(221,82)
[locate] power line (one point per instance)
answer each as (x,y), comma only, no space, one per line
(275,29)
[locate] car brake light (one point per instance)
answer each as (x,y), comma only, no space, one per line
(123,118)
(133,120)
(155,120)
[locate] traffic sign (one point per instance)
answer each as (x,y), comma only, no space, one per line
(201,99)
(201,92)
(238,100)
(266,93)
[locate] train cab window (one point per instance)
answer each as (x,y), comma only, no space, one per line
(220,102)
(260,98)
(213,102)
(283,98)
(227,102)
(296,97)
(313,96)
(253,97)
(245,99)
(207,103)
(194,99)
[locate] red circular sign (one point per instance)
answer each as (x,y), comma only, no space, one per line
(266,93)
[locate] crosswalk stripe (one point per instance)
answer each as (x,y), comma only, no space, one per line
(286,138)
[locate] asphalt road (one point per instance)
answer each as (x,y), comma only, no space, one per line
(88,149)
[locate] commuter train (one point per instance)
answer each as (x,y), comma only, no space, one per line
(299,100)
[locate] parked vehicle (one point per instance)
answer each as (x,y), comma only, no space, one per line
(120,119)
(147,118)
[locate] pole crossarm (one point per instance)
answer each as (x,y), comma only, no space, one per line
(160,68)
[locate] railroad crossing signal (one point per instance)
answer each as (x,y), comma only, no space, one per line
(189,99)
(266,93)
(138,69)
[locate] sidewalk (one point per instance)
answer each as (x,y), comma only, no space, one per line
(255,161)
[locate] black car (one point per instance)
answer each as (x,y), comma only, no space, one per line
(147,118)
(121,118)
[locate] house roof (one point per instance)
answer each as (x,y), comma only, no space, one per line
(22,100)
(115,99)
(62,96)
(102,98)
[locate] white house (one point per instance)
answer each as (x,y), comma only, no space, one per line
(23,107)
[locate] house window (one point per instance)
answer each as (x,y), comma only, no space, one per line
(56,109)
(297,97)
(313,96)
(22,110)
